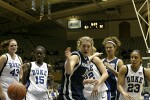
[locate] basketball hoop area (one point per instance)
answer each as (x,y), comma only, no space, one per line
(143,16)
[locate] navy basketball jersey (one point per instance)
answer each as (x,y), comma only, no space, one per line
(112,80)
(134,82)
(72,84)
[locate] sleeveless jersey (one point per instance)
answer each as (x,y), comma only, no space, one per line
(37,82)
(112,79)
(10,71)
(93,73)
(134,82)
(72,84)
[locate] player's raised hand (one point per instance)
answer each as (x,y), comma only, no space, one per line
(97,54)
(68,52)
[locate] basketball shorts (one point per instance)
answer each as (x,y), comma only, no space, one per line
(39,96)
(100,96)
(6,95)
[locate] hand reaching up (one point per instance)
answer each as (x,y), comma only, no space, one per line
(68,52)
(97,54)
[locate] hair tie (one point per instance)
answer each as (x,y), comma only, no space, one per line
(111,42)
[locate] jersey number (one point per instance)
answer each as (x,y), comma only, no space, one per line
(15,72)
(133,88)
(90,75)
(39,79)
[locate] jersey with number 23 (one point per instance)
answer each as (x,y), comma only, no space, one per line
(134,83)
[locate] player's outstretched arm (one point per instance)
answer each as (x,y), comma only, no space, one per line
(26,71)
(104,75)
(96,54)
(21,71)
(3,60)
(71,61)
(147,74)
(111,68)
(120,82)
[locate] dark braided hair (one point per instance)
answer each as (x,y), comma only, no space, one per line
(41,47)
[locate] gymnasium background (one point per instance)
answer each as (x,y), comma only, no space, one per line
(52,31)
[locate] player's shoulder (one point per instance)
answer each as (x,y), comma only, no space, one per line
(97,59)
(27,64)
(124,69)
(3,57)
(120,60)
(49,65)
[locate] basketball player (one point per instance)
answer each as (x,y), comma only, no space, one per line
(35,76)
(131,78)
(75,70)
(96,72)
(10,66)
(111,44)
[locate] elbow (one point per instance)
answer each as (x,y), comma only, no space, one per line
(106,75)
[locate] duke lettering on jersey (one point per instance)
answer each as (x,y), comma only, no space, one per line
(133,84)
(17,65)
(39,72)
(137,79)
(38,78)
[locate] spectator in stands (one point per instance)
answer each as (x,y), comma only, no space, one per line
(74,70)
(35,76)
(128,53)
(131,78)
(10,67)
(124,54)
(25,60)
(112,63)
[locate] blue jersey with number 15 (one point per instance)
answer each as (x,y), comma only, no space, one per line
(37,82)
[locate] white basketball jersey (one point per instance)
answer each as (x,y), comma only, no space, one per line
(134,82)
(11,70)
(38,78)
(93,73)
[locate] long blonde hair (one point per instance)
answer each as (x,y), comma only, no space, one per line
(84,38)
(93,50)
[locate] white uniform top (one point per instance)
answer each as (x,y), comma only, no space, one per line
(93,73)
(38,78)
(134,82)
(10,71)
